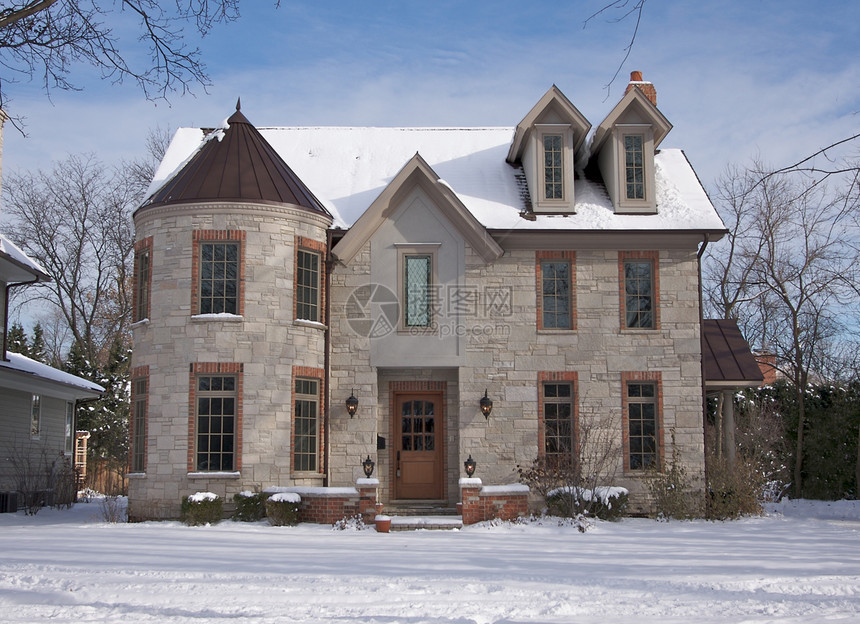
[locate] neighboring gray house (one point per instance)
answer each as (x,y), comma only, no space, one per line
(37,402)
(284,272)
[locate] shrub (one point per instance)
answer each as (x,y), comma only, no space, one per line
(201,508)
(250,506)
(606,503)
(282,509)
(672,491)
(733,490)
(114,509)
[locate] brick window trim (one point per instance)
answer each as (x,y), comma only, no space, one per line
(303,243)
(145,244)
(554,255)
(213,368)
(654,257)
(403,387)
(318,374)
(655,377)
(209,236)
(571,377)
(138,373)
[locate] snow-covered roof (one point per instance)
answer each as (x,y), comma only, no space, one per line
(348,167)
(19,265)
(22,364)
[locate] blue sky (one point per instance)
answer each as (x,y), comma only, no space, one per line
(738,79)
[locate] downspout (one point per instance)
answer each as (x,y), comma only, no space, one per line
(329,265)
(9,287)
(707,238)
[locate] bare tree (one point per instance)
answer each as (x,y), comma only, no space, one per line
(75,221)
(44,39)
(788,273)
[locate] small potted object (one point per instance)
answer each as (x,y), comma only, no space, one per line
(383,523)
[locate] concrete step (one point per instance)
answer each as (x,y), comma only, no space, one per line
(427,523)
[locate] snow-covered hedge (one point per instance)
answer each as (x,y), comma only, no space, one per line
(201,508)
(282,509)
(604,502)
(250,506)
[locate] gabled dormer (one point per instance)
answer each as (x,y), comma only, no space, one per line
(545,144)
(624,145)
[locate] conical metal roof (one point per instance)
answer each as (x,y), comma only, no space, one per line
(239,165)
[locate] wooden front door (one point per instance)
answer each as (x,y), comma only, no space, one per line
(419,445)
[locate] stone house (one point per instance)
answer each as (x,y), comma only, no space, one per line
(311,297)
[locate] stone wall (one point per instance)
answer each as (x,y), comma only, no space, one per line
(264,345)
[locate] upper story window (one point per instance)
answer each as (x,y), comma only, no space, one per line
(639,290)
(308,285)
(556,281)
(553,166)
(417,272)
(634,166)
(142,278)
(218,272)
(219,278)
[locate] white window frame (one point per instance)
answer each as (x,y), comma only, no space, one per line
(564,204)
(418,249)
(68,445)
(35,416)
(647,204)
(314,400)
(314,306)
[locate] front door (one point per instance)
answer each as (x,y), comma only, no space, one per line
(418,451)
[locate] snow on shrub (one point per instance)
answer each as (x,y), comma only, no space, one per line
(201,508)
(282,509)
(604,502)
(250,506)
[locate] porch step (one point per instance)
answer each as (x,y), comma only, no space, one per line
(419,508)
(428,523)
(411,515)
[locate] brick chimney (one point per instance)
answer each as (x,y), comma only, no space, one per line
(645,87)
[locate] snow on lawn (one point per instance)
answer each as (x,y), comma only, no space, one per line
(801,563)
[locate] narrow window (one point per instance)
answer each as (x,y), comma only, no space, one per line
(638,297)
(634,166)
(69,432)
(138,425)
(141,284)
(642,425)
(216,423)
(417,272)
(553,167)
(308,285)
(558,424)
(35,417)
(219,277)
(306,425)
(555,294)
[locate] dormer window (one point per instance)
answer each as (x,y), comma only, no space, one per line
(553,162)
(553,166)
(634,148)
(634,166)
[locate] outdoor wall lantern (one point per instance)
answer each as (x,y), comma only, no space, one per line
(368,465)
(486,405)
(470,465)
(351,404)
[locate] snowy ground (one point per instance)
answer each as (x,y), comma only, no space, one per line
(801,563)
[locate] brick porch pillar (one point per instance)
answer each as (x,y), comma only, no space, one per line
(367,498)
(473,505)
